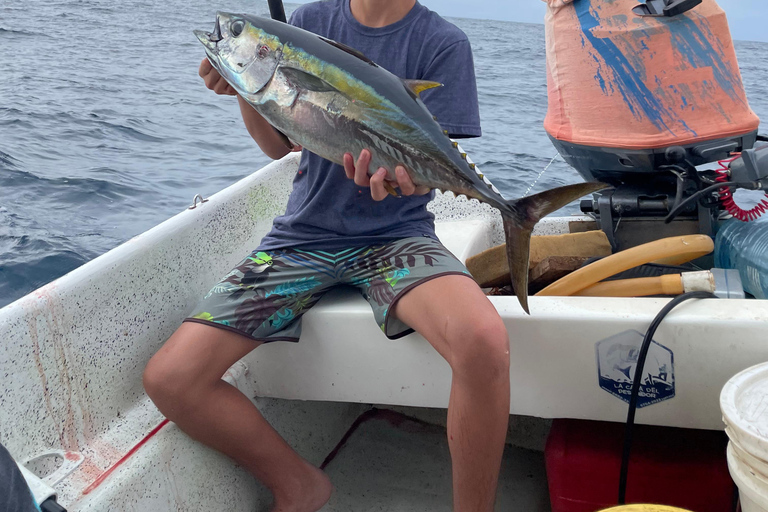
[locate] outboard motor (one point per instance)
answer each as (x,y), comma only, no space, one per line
(640,94)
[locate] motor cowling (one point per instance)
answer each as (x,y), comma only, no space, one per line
(632,89)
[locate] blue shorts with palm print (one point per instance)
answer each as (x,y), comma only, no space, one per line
(265,296)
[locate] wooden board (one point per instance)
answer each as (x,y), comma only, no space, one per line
(490,268)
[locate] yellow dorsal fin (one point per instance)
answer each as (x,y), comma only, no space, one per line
(419,86)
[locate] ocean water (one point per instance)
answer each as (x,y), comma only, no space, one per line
(106,129)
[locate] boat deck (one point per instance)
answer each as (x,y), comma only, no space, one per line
(393,462)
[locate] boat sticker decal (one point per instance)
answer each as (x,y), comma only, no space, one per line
(617,361)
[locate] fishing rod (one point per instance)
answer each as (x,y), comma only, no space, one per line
(276,10)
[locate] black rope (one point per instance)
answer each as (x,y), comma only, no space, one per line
(630,426)
(750,185)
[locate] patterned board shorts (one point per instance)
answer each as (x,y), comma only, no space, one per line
(266,294)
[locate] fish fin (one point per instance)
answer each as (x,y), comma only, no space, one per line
(356,53)
(519,221)
(306,80)
(389,188)
(419,86)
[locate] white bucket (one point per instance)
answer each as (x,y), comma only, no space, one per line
(744,403)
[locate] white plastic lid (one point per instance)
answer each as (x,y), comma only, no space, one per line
(744,403)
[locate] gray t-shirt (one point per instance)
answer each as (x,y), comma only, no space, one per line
(326,210)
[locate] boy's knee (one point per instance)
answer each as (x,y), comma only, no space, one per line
(154,379)
(165,383)
(483,351)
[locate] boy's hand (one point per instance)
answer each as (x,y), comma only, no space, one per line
(213,79)
(358,171)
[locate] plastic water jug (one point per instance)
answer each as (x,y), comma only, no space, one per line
(744,246)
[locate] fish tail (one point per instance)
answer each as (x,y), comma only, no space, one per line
(519,220)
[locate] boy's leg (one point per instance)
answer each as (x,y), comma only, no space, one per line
(263,298)
(454,315)
(184,380)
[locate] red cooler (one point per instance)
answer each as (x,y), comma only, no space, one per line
(669,466)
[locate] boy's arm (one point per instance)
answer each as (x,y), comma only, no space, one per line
(557,4)
(270,142)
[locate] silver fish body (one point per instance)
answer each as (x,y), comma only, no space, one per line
(333,100)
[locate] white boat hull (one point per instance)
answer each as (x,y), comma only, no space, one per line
(72,353)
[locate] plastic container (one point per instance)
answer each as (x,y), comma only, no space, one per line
(753,489)
(744,246)
(744,403)
(673,467)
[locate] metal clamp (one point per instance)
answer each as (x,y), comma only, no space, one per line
(194,201)
(669,8)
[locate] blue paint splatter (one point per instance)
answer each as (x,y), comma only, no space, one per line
(635,93)
(633,58)
(702,50)
(599,75)
(689,129)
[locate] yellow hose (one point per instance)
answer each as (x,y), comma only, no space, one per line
(681,248)
(641,287)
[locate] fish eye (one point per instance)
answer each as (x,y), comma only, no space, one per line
(263,51)
(236,28)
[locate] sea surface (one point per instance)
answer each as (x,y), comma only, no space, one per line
(106,129)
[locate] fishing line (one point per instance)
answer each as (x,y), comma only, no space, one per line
(540,174)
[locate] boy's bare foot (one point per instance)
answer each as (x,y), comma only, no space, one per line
(311,492)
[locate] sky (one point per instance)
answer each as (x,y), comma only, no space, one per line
(748,19)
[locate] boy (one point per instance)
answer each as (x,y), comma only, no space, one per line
(342,228)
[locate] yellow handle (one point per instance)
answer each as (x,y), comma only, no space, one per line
(644,508)
(641,287)
(682,248)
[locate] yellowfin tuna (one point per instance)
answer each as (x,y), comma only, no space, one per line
(333,100)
